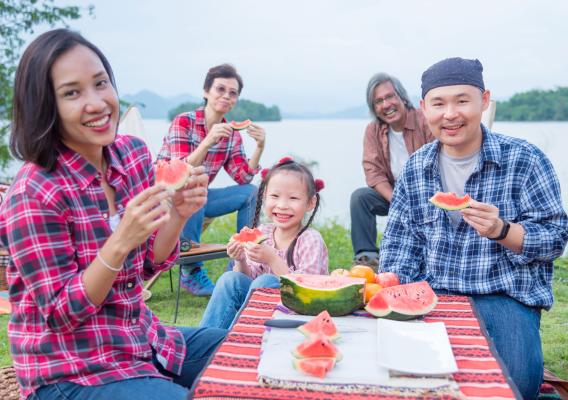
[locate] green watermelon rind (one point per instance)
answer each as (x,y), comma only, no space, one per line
(447,207)
(239,126)
(337,302)
(397,313)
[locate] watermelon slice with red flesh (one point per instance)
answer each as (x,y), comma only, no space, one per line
(316,347)
(450,201)
(247,234)
(403,302)
(239,126)
(318,367)
(322,324)
(174,173)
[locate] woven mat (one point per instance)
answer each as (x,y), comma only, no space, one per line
(9,388)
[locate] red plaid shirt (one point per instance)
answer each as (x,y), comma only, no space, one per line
(188,130)
(53,224)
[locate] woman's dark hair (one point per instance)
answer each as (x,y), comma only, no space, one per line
(221,71)
(308,178)
(35,122)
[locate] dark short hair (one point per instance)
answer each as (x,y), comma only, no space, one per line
(222,71)
(35,120)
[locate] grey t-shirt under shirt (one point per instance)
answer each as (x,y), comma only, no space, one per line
(455,171)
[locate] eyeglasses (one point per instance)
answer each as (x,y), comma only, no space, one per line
(221,90)
(380,100)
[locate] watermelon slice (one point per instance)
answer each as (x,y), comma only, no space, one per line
(450,201)
(239,126)
(311,294)
(317,346)
(249,235)
(317,367)
(320,325)
(173,173)
(403,302)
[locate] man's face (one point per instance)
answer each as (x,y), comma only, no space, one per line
(454,116)
(389,108)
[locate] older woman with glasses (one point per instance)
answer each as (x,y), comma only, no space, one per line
(205,138)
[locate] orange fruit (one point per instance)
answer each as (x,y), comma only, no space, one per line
(371,289)
(363,271)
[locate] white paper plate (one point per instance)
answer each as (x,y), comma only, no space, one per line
(415,348)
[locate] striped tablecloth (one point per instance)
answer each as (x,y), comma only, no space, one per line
(232,371)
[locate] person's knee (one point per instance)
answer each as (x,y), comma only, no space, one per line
(360,197)
(231,280)
(250,190)
(266,281)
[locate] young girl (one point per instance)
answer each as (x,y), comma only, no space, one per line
(289,192)
(84,225)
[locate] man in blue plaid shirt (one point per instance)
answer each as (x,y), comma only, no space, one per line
(500,250)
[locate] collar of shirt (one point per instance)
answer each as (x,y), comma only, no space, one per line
(490,151)
(83,171)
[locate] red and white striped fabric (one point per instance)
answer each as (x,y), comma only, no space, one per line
(232,372)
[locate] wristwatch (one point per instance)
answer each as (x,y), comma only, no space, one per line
(504,231)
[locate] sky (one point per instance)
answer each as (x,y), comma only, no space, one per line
(318,55)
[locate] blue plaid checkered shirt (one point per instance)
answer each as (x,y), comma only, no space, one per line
(420,242)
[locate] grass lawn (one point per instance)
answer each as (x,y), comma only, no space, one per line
(554,326)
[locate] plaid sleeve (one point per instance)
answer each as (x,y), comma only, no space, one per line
(401,249)
(237,164)
(542,215)
(311,254)
(43,254)
(177,142)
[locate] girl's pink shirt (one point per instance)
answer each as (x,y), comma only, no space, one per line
(310,253)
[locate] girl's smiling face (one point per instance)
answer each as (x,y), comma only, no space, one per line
(87,103)
(286,200)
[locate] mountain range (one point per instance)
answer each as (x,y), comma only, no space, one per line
(153,105)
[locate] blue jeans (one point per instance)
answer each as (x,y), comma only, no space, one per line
(514,330)
(201,343)
(229,298)
(365,205)
(222,201)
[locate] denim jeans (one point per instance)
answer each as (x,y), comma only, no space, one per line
(201,343)
(222,201)
(231,293)
(365,205)
(514,329)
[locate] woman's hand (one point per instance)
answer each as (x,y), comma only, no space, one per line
(257,133)
(236,251)
(484,218)
(216,133)
(260,253)
(144,214)
(192,196)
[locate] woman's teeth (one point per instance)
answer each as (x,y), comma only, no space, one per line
(97,123)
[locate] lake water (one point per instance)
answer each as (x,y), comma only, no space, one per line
(336,146)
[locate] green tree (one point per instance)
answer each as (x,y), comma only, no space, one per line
(535,105)
(17,19)
(245,109)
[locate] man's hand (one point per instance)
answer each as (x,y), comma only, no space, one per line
(484,218)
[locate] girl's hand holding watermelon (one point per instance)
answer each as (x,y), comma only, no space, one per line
(236,251)
(261,253)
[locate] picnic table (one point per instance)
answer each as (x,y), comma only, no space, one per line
(232,370)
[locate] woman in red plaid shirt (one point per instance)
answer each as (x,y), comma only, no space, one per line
(205,138)
(85,225)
